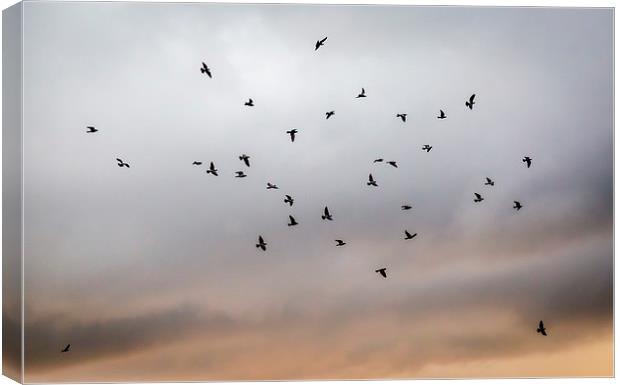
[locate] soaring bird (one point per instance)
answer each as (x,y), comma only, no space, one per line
(205,69)
(489,182)
(527,160)
(329,113)
(442,115)
(427,148)
(121,163)
(408,235)
(289,199)
(392,163)
(326,214)
(66,349)
(371,181)
(249,103)
(292,221)
(362,94)
(196,163)
(271,186)
(292,134)
(405,207)
(340,242)
(517,205)
(240,174)
(402,117)
(541,328)
(471,102)
(319,43)
(261,243)
(212,169)
(378,160)
(91,129)
(479,198)
(382,271)
(245,159)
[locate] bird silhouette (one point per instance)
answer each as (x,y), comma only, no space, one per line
(371,181)
(240,174)
(196,163)
(91,129)
(326,214)
(489,182)
(408,235)
(405,207)
(66,349)
(471,102)
(205,69)
(427,148)
(442,115)
(245,159)
(382,271)
(121,163)
(212,169)
(378,160)
(541,328)
(261,243)
(292,134)
(517,205)
(319,43)
(479,198)
(392,163)
(362,94)
(340,242)
(292,220)
(249,103)
(527,160)
(289,199)
(271,186)
(329,114)
(402,117)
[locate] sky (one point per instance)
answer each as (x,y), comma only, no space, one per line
(151,272)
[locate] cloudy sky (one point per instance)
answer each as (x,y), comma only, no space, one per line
(152,273)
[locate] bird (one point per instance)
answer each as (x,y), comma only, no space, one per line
(240,174)
(66,349)
(319,43)
(402,117)
(405,207)
(292,220)
(249,103)
(408,235)
(527,160)
(271,186)
(371,181)
(479,198)
(326,214)
(212,169)
(382,271)
(340,242)
(392,163)
(196,163)
(292,134)
(329,113)
(289,199)
(541,328)
(362,94)
(205,70)
(261,243)
(91,129)
(378,160)
(517,205)
(427,148)
(121,163)
(442,115)
(471,102)
(245,159)
(489,182)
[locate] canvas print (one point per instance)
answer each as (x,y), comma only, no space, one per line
(220,192)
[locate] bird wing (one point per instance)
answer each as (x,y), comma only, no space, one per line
(326,211)
(323,41)
(212,166)
(477,195)
(471,98)
(260,239)
(407,233)
(291,218)
(370,179)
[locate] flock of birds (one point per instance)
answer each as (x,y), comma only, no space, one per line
(288,199)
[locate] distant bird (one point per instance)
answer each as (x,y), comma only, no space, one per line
(326,214)
(442,115)
(240,174)
(471,102)
(489,182)
(371,181)
(541,328)
(319,43)
(402,117)
(517,205)
(121,163)
(261,243)
(271,186)
(427,148)
(527,160)
(91,129)
(378,160)
(205,69)
(362,94)
(405,207)
(196,163)
(408,235)
(292,134)
(249,103)
(212,169)
(382,271)
(479,198)
(289,199)
(292,220)
(340,242)
(66,349)
(245,159)
(329,113)
(392,163)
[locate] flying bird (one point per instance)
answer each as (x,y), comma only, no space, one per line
(517,205)
(489,182)
(392,163)
(292,220)
(527,160)
(471,102)
(382,271)
(319,43)
(205,69)
(405,207)
(289,200)
(340,242)
(261,243)
(249,103)
(66,349)
(378,160)
(245,159)
(427,148)
(271,186)
(329,113)
(442,115)
(371,181)
(326,214)
(402,117)
(91,129)
(212,169)
(240,174)
(121,163)
(479,198)
(292,134)
(541,328)
(408,235)
(196,163)
(362,94)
